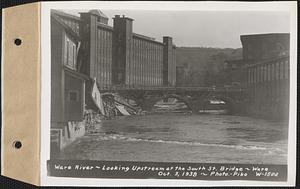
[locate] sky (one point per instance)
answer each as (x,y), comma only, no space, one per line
(218,29)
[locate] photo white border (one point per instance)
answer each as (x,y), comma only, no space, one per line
(176,6)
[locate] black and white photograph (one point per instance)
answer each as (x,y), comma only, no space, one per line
(170,94)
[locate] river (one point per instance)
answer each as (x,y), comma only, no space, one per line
(181,137)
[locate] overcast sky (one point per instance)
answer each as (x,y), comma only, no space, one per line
(203,28)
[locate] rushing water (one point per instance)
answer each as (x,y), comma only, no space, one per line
(171,137)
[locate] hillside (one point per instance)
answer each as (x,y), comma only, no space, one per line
(200,66)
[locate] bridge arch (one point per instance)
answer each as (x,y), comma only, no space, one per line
(180,98)
(229,101)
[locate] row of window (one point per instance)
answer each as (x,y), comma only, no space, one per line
(172,69)
(104,57)
(277,70)
(145,63)
(144,50)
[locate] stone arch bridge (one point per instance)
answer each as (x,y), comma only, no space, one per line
(196,98)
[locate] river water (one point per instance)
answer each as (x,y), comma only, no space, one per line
(181,137)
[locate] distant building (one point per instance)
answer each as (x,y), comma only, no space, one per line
(179,75)
(256,48)
(234,71)
(266,69)
(182,75)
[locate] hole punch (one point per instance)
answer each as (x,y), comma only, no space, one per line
(18,42)
(17,144)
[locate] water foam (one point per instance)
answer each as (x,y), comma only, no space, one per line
(190,143)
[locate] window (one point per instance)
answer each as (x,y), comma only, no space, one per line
(70,53)
(74,55)
(73,96)
(265,73)
(276,71)
(261,73)
(66,54)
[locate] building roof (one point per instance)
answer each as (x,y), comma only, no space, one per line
(63,14)
(98,13)
(265,35)
(76,73)
(143,36)
(67,28)
(123,17)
